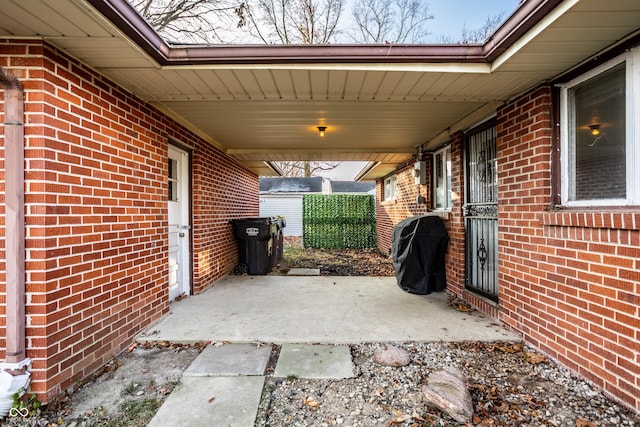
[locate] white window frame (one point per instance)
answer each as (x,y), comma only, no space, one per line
(390,188)
(632,134)
(447,173)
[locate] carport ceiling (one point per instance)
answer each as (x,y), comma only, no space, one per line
(264,103)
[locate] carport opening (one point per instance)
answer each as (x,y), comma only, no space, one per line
(333,262)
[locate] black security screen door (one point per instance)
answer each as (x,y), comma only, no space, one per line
(481,212)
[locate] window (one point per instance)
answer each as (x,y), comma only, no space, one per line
(600,138)
(442,179)
(390,187)
(173,180)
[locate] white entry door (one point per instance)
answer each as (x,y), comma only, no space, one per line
(179,200)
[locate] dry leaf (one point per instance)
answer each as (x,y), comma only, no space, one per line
(464,308)
(211,399)
(534,358)
(584,423)
(132,347)
(398,420)
(310,402)
(379,392)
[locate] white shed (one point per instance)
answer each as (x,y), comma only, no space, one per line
(283,197)
(287,205)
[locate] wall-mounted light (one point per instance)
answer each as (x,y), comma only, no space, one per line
(595,129)
(321,129)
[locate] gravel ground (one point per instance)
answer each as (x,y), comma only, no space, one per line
(510,385)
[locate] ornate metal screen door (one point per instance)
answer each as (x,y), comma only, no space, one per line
(481,213)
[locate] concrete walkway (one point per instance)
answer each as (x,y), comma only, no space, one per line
(310,317)
(323,309)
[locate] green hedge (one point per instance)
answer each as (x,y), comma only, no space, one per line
(338,221)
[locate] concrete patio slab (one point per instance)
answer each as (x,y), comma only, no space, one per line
(314,361)
(304,272)
(322,309)
(230,360)
(211,401)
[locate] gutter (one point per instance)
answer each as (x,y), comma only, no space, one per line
(124,16)
(13,375)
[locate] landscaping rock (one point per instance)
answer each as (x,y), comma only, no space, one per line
(390,355)
(447,391)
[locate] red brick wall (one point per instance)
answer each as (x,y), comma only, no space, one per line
(222,190)
(96,214)
(391,212)
(569,280)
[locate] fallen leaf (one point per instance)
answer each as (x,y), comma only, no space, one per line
(310,402)
(510,348)
(144,370)
(398,420)
(580,422)
(534,358)
(132,347)
(164,391)
(379,392)
(211,399)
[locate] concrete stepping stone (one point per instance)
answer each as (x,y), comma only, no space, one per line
(211,401)
(314,361)
(230,360)
(304,272)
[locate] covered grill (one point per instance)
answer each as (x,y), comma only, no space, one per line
(418,249)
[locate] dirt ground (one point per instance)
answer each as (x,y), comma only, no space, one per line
(334,262)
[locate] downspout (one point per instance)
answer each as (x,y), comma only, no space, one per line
(13,372)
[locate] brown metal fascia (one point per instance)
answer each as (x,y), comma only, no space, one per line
(283,54)
(14,216)
(525,17)
(128,20)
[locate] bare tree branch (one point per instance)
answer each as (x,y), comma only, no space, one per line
(390,21)
(294,21)
(305,169)
(481,34)
(478,35)
(192,21)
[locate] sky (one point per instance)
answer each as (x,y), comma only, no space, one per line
(450,17)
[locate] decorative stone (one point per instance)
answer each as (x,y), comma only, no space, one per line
(447,391)
(390,355)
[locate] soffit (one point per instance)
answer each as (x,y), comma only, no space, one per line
(378,112)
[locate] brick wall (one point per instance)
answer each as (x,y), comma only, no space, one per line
(96,214)
(221,191)
(569,280)
(391,212)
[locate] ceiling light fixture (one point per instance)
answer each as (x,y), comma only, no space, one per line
(321,129)
(595,129)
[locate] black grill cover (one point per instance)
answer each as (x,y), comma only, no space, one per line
(418,249)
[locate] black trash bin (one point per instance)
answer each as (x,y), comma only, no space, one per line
(418,250)
(277,254)
(255,244)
